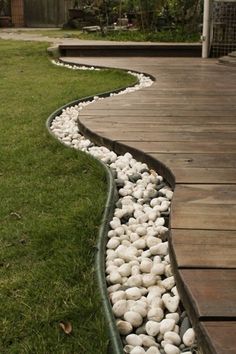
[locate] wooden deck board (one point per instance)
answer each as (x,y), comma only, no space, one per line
(221,335)
(187,120)
(204,248)
(211,291)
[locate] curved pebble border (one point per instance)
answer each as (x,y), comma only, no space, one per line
(140,283)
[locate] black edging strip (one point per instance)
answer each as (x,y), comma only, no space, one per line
(115,344)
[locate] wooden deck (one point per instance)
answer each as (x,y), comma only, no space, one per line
(187,120)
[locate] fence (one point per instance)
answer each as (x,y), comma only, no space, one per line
(223,27)
(40,13)
(46,13)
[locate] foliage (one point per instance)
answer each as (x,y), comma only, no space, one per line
(149,15)
(4,7)
(185,13)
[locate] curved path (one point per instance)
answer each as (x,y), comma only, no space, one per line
(187,120)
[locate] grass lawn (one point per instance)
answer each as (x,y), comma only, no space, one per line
(52,199)
(137,36)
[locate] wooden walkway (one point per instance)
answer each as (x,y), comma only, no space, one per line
(187,120)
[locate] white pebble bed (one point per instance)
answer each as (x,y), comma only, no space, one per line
(141,285)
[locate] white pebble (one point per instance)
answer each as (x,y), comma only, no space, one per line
(174,316)
(171,349)
(125,270)
(160,249)
(133,293)
(119,308)
(133,339)
(146,265)
(153,350)
(128,348)
(167,325)
(118,295)
(124,327)
(152,328)
(149,280)
(172,337)
(115,277)
(171,302)
(137,350)
(158,269)
(155,314)
(141,230)
(189,337)
(168,283)
(134,318)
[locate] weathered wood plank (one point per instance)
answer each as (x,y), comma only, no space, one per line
(204,248)
(151,135)
(218,337)
(130,127)
(203,216)
(208,194)
(191,160)
(204,175)
(212,292)
(204,207)
(182,147)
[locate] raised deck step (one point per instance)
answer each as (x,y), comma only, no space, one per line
(131,50)
(229,59)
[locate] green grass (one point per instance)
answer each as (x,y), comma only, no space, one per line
(175,35)
(52,200)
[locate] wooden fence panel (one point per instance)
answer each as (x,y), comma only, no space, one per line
(46,13)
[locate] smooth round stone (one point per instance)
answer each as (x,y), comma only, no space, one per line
(137,350)
(146,265)
(133,339)
(175,316)
(149,280)
(152,241)
(119,183)
(153,350)
(135,177)
(113,243)
(120,308)
(139,308)
(148,341)
(172,337)
(141,330)
(158,269)
(185,325)
(160,249)
(135,270)
(155,314)
(171,302)
(152,328)
(189,337)
(117,296)
(134,318)
(128,348)
(167,325)
(133,293)
(171,349)
(125,270)
(115,278)
(141,230)
(168,283)
(135,280)
(124,327)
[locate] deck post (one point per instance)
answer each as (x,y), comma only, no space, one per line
(206,29)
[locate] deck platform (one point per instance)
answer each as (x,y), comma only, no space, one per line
(186,120)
